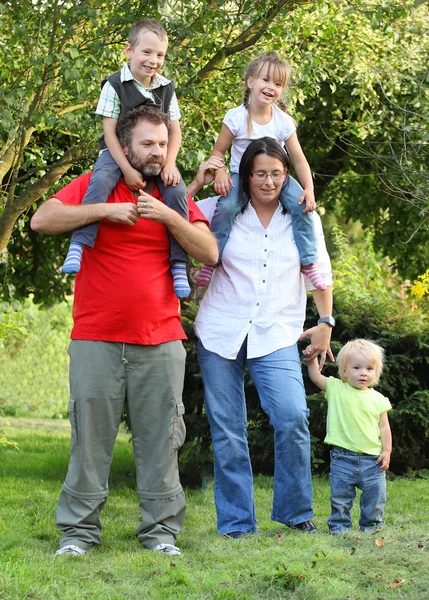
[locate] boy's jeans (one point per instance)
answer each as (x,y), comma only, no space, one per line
(228,207)
(351,470)
(104,179)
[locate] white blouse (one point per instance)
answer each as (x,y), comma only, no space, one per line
(258,290)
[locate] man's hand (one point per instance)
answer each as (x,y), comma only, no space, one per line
(222,182)
(307,196)
(170,175)
(122,212)
(133,179)
(320,336)
(151,208)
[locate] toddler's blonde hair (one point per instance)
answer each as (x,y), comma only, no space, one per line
(373,352)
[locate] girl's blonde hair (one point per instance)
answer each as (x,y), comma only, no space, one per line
(278,70)
(373,352)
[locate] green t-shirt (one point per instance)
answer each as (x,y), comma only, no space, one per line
(353,417)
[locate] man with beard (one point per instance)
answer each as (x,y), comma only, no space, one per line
(126,350)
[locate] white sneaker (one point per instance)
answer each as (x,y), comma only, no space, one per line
(167,549)
(70,549)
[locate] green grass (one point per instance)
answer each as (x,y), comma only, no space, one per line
(274,563)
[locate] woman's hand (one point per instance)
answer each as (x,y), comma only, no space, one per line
(320,336)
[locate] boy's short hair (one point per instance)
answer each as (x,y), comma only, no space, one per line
(126,123)
(145,25)
(373,352)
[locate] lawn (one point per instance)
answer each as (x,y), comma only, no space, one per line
(274,563)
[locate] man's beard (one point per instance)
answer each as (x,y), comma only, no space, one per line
(151,167)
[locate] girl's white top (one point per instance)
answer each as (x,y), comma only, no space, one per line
(258,290)
(280,128)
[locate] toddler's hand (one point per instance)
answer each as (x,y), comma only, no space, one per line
(222,182)
(170,175)
(310,203)
(384,459)
(134,180)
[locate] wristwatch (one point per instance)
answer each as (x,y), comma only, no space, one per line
(328,320)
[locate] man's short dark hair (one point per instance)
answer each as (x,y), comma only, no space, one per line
(126,123)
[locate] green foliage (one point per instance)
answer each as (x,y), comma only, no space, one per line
(359,94)
(34,374)
(12,325)
(4,440)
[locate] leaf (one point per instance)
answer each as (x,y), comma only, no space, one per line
(379,542)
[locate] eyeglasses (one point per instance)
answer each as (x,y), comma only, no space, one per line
(261,176)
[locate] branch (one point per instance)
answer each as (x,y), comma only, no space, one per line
(246,39)
(14,209)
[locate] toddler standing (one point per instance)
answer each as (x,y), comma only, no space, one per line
(358,429)
(259,116)
(138,82)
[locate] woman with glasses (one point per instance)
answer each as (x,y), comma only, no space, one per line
(252,316)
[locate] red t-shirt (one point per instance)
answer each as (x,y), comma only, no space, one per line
(124,290)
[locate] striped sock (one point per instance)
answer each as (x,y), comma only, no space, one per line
(73,258)
(180,279)
(205,274)
(313,274)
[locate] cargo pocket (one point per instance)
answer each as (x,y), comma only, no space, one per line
(73,422)
(179,429)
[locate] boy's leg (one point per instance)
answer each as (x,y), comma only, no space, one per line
(373,498)
(103,180)
(177,198)
(343,479)
(227,208)
(303,230)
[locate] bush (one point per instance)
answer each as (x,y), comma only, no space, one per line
(369,303)
(34,373)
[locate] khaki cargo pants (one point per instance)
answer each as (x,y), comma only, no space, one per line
(104,378)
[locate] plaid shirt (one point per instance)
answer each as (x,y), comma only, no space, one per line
(109,104)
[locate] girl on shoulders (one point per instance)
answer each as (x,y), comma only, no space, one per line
(259,116)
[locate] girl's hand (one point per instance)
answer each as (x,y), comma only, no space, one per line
(170,175)
(384,459)
(222,182)
(307,196)
(134,180)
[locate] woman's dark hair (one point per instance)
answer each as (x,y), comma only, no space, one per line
(265,145)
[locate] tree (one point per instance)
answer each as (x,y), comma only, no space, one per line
(58,56)
(348,57)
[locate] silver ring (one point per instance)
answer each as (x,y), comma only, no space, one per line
(144,204)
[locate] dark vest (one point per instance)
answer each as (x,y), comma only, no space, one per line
(130,97)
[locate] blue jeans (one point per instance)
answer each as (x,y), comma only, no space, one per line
(228,207)
(278,380)
(351,470)
(103,181)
